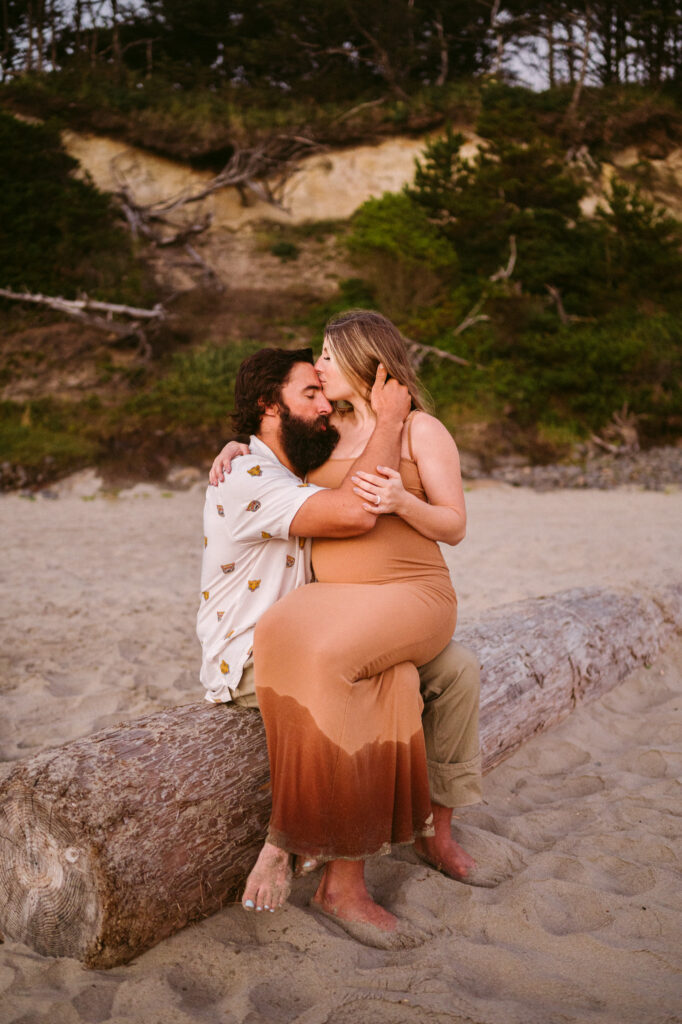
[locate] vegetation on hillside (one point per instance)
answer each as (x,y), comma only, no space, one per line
(572,317)
(558,319)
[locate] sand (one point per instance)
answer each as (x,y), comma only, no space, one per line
(99,598)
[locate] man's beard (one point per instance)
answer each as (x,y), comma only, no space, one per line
(306,443)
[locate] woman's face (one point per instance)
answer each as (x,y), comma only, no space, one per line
(335,386)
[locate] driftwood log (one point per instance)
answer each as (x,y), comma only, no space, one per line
(111,843)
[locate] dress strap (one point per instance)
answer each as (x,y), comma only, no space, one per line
(408,423)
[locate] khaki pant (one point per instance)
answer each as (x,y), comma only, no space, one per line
(450,689)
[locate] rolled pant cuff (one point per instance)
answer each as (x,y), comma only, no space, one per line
(455,785)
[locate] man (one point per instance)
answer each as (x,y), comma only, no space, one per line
(257,525)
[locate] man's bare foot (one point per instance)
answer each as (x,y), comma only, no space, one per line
(445,855)
(269,884)
(441,851)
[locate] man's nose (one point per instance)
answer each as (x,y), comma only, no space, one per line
(323,406)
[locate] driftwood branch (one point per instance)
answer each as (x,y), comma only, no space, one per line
(84,311)
(113,842)
(621,436)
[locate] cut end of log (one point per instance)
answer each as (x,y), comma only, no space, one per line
(47,883)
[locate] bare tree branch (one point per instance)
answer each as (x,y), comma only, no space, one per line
(566,318)
(262,170)
(582,74)
(504,273)
(209,272)
(472,317)
(354,110)
(419,352)
(499,38)
(444,56)
(555,295)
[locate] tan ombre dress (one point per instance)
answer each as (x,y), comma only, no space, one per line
(339,692)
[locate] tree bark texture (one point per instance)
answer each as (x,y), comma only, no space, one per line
(113,842)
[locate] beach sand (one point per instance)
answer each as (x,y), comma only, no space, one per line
(98,605)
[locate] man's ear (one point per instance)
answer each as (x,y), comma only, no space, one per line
(268,410)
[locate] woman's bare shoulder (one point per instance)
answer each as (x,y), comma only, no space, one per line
(425,429)
(423,436)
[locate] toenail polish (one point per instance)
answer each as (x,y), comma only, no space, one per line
(249,904)
(271,909)
(259,908)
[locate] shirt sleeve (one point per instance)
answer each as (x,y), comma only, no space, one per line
(259,500)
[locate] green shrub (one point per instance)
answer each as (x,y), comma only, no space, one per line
(58,234)
(196,392)
(286,251)
(46,434)
(404,258)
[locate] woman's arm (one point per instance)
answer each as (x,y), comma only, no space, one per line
(223,462)
(443,518)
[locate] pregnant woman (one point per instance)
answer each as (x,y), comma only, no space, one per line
(335,661)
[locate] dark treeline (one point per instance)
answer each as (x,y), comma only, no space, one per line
(342,47)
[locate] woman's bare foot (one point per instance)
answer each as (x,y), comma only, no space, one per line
(342,893)
(342,896)
(304,865)
(269,884)
(441,851)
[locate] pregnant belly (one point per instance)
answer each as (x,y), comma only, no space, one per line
(391,551)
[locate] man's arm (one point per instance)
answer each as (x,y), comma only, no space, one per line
(338,511)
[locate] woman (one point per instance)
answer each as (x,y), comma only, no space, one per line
(335,662)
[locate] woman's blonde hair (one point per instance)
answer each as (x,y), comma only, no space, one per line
(361,339)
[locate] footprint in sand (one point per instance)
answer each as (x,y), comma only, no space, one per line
(565,908)
(539,791)
(602,872)
(652,764)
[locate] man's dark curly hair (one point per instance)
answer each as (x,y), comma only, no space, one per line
(259,383)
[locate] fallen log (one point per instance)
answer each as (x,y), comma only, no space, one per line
(113,842)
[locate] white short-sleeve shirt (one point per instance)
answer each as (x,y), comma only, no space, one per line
(249,561)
